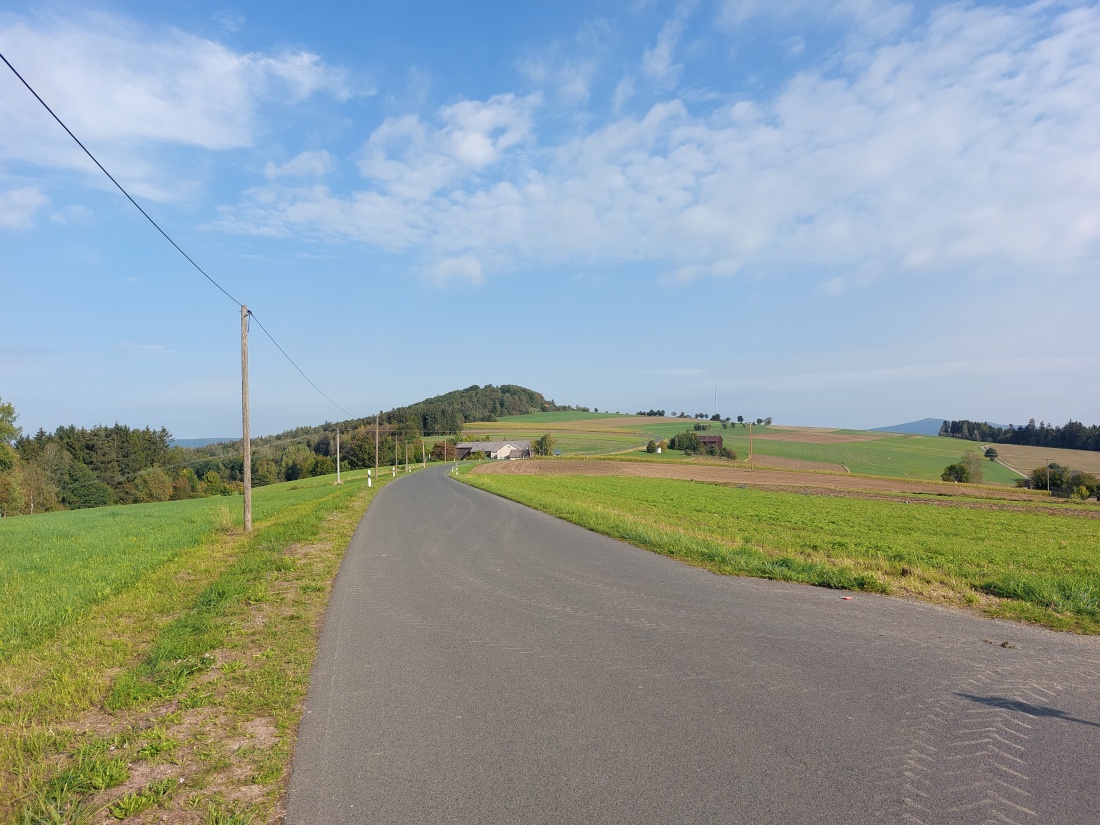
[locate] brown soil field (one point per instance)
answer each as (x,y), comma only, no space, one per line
(799,482)
(1026,459)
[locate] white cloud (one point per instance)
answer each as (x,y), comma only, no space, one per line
(880,17)
(152,349)
(18,207)
(124,90)
(967,147)
(466,271)
(413,159)
(623,92)
(74,214)
(657,62)
(305,165)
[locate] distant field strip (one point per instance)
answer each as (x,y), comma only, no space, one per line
(1035,565)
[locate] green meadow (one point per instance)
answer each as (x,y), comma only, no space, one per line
(1026,565)
(53,566)
(156,657)
(569,442)
(556,417)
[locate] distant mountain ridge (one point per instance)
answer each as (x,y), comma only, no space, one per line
(202,442)
(926,426)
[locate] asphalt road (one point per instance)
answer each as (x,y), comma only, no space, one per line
(481,662)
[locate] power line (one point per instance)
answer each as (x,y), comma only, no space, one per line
(115,182)
(291,360)
(162,232)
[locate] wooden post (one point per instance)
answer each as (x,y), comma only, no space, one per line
(750,445)
(246,441)
(338,456)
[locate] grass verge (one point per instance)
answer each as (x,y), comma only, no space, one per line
(1026,565)
(177,697)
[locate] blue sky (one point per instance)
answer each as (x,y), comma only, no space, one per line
(843,214)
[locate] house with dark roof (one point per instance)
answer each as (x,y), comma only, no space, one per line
(708,441)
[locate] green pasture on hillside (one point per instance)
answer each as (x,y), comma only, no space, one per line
(659,428)
(1044,567)
(54,565)
(891,455)
(568,442)
(556,417)
(895,456)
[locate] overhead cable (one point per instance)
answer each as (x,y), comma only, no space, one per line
(162,232)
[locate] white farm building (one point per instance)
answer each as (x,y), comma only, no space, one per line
(494,449)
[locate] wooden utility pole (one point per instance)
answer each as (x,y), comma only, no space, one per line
(246,441)
(376,443)
(338,481)
(750,445)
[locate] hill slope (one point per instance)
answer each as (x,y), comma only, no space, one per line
(926,426)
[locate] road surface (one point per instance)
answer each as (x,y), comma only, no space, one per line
(485,663)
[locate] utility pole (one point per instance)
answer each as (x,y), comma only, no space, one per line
(376,443)
(750,446)
(338,481)
(406,456)
(246,442)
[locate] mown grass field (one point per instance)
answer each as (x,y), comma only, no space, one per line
(171,683)
(54,565)
(1032,566)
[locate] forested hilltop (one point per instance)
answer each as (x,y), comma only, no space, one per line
(1073,436)
(73,468)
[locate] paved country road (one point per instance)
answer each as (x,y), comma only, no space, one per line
(482,662)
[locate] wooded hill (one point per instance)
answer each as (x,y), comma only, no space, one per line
(1073,436)
(74,468)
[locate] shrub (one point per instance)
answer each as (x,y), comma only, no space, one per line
(956,472)
(651,447)
(686,440)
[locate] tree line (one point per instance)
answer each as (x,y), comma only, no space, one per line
(1073,436)
(76,467)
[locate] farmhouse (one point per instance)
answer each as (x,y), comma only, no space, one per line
(494,449)
(708,441)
